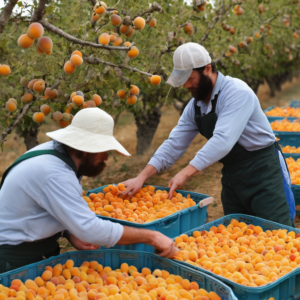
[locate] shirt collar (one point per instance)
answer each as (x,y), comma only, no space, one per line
(218,85)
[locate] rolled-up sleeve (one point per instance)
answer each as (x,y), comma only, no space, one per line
(235,112)
(61,199)
(179,140)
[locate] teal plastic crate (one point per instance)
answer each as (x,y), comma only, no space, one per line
(295,103)
(285,288)
(170,226)
(272,119)
(113,259)
(295,156)
(288,138)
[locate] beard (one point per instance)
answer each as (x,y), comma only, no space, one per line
(203,89)
(88,167)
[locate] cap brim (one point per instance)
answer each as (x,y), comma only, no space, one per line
(87,141)
(179,77)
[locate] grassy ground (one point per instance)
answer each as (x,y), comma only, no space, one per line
(120,168)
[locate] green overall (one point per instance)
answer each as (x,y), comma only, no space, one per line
(15,256)
(252,181)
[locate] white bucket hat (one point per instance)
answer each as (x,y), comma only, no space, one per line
(186,58)
(91,131)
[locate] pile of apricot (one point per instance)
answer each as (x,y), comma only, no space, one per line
(242,253)
(285,125)
(290,149)
(294,169)
(92,281)
(146,206)
(284,112)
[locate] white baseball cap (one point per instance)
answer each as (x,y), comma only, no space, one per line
(91,131)
(186,58)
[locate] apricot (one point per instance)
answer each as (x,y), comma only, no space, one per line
(95,17)
(104,39)
(76,52)
(45,43)
(97,99)
(57,116)
(117,42)
(100,8)
(112,37)
(139,23)
(131,32)
(188,28)
(63,123)
(131,99)
(38,117)
(4,70)
(133,52)
(76,60)
(31,83)
(25,41)
(39,86)
(50,94)
(35,30)
(134,90)
(115,19)
(78,100)
(10,106)
(125,29)
(127,44)
(155,79)
(47,275)
(26,98)
(232,49)
(121,94)
(69,68)
(152,23)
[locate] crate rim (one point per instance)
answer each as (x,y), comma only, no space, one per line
(246,288)
(156,222)
(68,255)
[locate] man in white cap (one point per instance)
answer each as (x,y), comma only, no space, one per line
(227,112)
(41,196)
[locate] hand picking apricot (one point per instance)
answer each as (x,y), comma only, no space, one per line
(96,282)
(146,206)
(242,253)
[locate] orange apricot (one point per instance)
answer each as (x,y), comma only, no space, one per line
(131,32)
(127,44)
(47,275)
(35,30)
(139,23)
(134,90)
(10,106)
(131,99)
(76,52)
(69,68)
(45,43)
(125,29)
(104,39)
(133,52)
(115,19)
(97,99)
(100,8)
(63,123)
(26,98)
(38,117)
(155,79)
(152,23)
(25,41)
(51,94)
(4,70)
(77,100)
(39,86)
(121,94)
(76,60)
(117,42)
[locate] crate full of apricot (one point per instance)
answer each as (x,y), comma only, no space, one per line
(110,275)
(252,255)
(280,113)
(150,209)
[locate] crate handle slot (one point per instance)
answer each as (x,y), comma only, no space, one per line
(295,297)
(170,222)
(206,201)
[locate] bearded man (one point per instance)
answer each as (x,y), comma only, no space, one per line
(41,196)
(226,111)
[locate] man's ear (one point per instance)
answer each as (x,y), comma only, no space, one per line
(207,70)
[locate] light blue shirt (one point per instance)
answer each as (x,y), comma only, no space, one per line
(240,119)
(42,196)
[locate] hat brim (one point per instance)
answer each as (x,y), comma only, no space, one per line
(82,140)
(179,77)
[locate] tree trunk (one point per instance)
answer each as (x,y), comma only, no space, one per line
(146,128)
(30,137)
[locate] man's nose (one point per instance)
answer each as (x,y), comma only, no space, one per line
(187,85)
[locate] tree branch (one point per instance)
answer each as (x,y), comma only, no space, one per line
(8,130)
(71,38)
(39,11)
(95,61)
(4,17)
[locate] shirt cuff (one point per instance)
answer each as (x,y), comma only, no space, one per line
(116,234)
(156,164)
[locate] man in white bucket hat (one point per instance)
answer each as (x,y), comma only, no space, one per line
(41,196)
(227,112)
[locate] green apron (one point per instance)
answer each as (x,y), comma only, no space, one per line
(15,256)
(252,181)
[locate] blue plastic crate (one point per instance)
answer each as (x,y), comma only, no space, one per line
(272,119)
(295,103)
(113,259)
(295,156)
(288,138)
(170,226)
(296,192)
(285,288)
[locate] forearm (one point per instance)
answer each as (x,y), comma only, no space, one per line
(147,173)
(133,235)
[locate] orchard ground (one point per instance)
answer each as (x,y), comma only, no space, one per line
(121,168)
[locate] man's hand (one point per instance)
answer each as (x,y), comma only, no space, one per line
(81,245)
(163,245)
(180,178)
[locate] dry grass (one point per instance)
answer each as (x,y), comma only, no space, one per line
(121,168)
